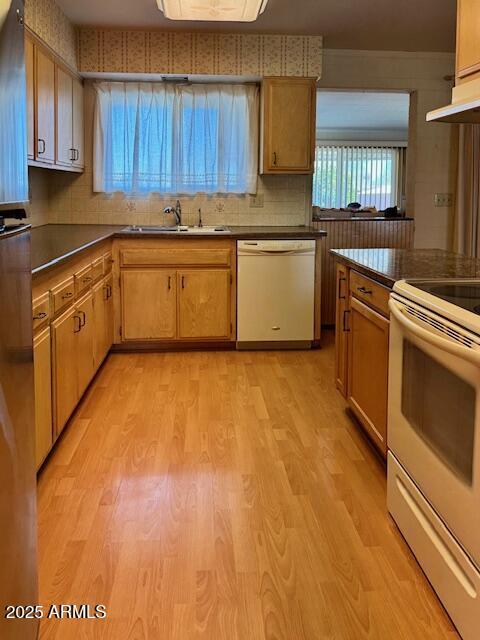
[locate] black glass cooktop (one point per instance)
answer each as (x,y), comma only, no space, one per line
(462,294)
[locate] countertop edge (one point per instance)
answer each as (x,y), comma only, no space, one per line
(308,234)
(59,259)
(377,276)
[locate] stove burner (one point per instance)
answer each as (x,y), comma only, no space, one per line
(464,291)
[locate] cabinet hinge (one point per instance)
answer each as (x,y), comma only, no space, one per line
(120,331)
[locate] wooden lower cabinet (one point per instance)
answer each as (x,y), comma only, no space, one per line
(368,339)
(203,303)
(64,352)
(148,304)
(341,346)
(85,343)
(103,319)
(43,395)
(109,313)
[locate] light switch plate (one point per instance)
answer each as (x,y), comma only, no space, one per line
(256,201)
(443,199)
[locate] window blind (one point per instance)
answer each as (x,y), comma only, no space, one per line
(370,175)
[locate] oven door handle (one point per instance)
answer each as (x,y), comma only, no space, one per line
(453,348)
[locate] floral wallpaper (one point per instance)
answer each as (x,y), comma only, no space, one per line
(49,23)
(114,50)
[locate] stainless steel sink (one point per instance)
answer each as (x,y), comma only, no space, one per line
(177,229)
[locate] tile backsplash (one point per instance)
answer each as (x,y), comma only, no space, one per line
(71,200)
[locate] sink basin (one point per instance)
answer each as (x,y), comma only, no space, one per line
(177,229)
(135,229)
(204,229)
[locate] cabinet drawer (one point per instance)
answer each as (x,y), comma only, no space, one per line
(63,294)
(173,257)
(97,269)
(83,279)
(41,310)
(370,292)
(107,263)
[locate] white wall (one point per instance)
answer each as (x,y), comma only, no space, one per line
(432,155)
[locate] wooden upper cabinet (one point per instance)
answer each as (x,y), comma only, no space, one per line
(78,124)
(64,100)
(148,304)
(30,79)
(204,303)
(54,111)
(468,38)
(288,125)
(45,107)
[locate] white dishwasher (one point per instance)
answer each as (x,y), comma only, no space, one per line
(275,291)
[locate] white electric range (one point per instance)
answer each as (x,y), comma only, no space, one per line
(434,436)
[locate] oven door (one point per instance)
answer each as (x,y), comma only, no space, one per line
(434,414)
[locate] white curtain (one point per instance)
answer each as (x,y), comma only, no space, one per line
(177,139)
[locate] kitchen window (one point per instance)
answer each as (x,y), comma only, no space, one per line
(370,175)
(176,139)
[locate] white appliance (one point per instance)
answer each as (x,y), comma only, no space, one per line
(276,290)
(434,437)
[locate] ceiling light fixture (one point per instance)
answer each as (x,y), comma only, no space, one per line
(215,10)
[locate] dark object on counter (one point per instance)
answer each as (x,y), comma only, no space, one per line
(391,212)
(354,206)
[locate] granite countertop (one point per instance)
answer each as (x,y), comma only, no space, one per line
(387,266)
(53,243)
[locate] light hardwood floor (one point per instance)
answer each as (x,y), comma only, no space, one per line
(225,496)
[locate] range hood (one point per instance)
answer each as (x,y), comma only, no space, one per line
(464,108)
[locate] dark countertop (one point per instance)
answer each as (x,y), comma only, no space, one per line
(389,265)
(53,243)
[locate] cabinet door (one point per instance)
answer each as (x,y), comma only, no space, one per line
(65,387)
(45,107)
(468,37)
(341,330)
(64,140)
(30,79)
(109,313)
(203,303)
(148,304)
(85,343)
(78,126)
(368,370)
(99,315)
(289,125)
(43,395)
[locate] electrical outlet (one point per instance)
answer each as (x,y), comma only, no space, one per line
(256,201)
(220,206)
(443,199)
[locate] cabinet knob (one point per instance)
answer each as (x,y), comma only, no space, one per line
(67,295)
(40,316)
(275,328)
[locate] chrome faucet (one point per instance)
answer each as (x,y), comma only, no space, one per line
(177,212)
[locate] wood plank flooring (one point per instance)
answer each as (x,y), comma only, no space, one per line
(225,496)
